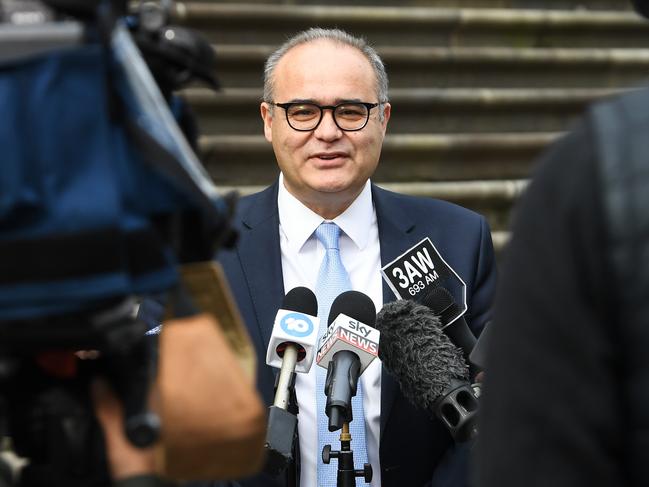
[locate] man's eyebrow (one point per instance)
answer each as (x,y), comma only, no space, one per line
(303,100)
(338,101)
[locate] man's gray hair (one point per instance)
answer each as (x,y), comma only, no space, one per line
(336,36)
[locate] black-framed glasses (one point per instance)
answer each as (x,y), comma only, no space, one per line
(348,116)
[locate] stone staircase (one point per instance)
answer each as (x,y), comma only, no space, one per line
(478,87)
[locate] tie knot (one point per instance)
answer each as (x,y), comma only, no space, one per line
(329,235)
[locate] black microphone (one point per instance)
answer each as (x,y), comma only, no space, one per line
(429,368)
(642,7)
(346,349)
(442,304)
(478,355)
(291,348)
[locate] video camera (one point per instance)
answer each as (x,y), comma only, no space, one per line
(101,197)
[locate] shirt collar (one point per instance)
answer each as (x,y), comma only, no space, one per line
(299,222)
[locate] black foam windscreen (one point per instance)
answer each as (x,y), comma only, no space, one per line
(355,305)
(302,300)
(416,351)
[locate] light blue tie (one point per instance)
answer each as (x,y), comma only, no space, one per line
(333,280)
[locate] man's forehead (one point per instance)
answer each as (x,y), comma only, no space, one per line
(322,64)
(320,53)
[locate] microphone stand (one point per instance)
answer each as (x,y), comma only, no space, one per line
(292,471)
(346,473)
(281,436)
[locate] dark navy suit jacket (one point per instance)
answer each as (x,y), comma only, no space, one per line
(415,450)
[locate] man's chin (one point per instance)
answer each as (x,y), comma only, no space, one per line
(333,188)
(331,181)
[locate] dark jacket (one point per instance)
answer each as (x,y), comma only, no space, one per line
(566,398)
(414,448)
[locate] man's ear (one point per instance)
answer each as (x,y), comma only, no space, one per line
(387,110)
(267,116)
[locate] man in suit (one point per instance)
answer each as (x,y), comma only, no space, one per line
(325,112)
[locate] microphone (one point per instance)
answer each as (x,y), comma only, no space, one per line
(292,342)
(478,355)
(429,368)
(291,349)
(346,349)
(441,303)
(642,7)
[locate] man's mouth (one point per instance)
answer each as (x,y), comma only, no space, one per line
(328,156)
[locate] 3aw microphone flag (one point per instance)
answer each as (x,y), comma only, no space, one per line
(419,269)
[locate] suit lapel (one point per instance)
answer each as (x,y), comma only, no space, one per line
(260,256)
(395,236)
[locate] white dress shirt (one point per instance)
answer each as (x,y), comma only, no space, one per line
(302,255)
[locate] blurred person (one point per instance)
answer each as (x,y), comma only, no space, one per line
(325,112)
(566,399)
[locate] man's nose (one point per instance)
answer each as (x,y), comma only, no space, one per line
(327,129)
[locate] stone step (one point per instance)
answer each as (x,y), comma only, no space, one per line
(248,159)
(493,199)
(525,4)
(270,24)
(241,66)
(420,111)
